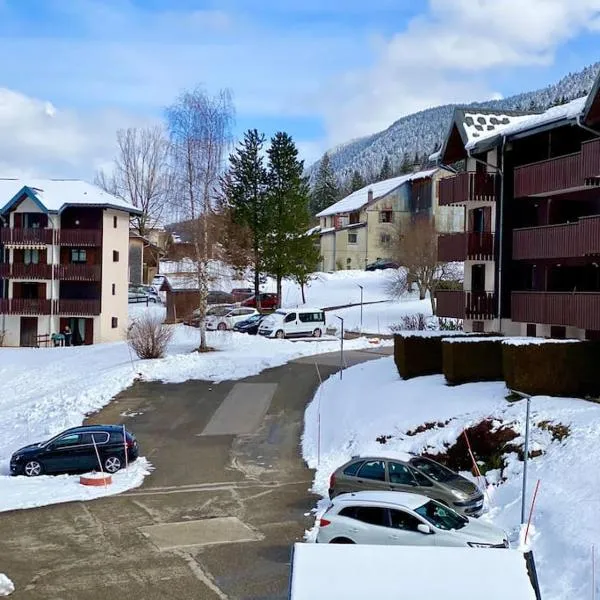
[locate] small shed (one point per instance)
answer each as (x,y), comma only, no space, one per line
(359,572)
(182,296)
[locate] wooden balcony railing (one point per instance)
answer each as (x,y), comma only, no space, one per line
(26,237)
(77,307)
(76,272)
(461,246)
(480,305)
(566,240)
(80,237)
(31,271)
(450,303)
(570,309)
(559,174)
(467,187)
(4,270)
(26,306)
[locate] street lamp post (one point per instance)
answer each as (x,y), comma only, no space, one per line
(341,348)
(361,306)
(525,458)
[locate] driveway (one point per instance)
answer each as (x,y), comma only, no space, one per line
(216,519)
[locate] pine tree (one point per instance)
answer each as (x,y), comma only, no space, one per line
(386,169)
(288,200)
(532,105)
(245,191)
(357,182)
(325,189)
(405,166)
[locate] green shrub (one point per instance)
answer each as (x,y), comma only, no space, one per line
(421,354)
(553,369)
(472,360)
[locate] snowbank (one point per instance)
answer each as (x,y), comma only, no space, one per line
(535,341)
(7,587)
(372,401)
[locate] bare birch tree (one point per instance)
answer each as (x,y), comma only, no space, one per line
(200,134)
(141,174)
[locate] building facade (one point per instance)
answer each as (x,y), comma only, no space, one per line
(64,248)
(361,228)
(531,195)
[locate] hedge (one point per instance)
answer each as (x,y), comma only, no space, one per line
(420,353)
(472,360)
(553,368)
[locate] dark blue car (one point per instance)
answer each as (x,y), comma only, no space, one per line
(72,451)
(249,325)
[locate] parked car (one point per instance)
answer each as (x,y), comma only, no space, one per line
(268,301)
(380,265)
(141,294)
(213,310)
(249,325)
(219,297)
(413,474)
(241,294)
(403,519)
(293,322)
(223,322)
(72,451)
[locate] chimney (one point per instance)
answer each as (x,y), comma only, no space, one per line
(370,196)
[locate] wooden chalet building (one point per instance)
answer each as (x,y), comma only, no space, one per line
(531,192)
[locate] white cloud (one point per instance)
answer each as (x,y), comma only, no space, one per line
(447,54)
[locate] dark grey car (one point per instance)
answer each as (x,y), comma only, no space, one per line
(415,474)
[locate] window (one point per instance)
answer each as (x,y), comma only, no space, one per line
(114,289)
(352,238)
(372,515)
(100,437)
(349,511)
(385,239)
(78,255)
(386,216)
(115,256)
(114,322)
(72,439)
(352,469)
(115,222)
(441,516)
(31,257)
(316,317)
(531,330)
(290,318)
(433,469)
(402,520)
(373,469)
(400,474)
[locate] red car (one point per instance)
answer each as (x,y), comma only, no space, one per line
(268,301)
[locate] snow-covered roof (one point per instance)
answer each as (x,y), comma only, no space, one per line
(397,572)
(479,124)
(406,499)
(181,281)
(360,198)
(185,265)
(435,156)
(56,194)
(313,230)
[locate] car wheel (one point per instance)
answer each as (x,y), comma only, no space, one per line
(33,468)
(317,332)
(341,540)
(222,327)
(280,335)
(112,464)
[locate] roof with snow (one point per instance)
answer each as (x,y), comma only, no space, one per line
(360,198)
(460,573)
(54,195)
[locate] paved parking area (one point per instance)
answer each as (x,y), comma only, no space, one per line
(217,518)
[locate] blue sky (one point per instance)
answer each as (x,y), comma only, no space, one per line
(73,71)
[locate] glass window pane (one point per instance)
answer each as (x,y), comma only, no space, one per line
(374,469)
(400,474)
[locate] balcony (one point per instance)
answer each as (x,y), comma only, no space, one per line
(570,309)
(480,305)
(24,306)
(74,272)
(561,174)
(468,187)
(25,237)
(567,240)
(450,303)
(466,246)
(30,271)
(80,237)
(77,307)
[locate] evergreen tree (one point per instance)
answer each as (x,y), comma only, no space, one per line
(325,190)
(405,166)
(532,105)
(357,182)
(245,191)
(386,169)
(305,255)
(288,200)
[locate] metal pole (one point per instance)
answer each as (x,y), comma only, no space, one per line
(361,307)
(525,459)
(341,348)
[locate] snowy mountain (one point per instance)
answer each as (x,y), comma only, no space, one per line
(420,132)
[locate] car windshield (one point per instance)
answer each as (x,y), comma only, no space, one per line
(220,312)
(434,470)
(253,319)
(441,516)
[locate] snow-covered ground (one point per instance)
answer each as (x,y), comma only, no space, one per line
(46,390)
(6,585)
(372,401)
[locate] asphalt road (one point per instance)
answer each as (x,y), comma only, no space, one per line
(216,519)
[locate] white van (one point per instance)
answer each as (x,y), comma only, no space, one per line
(293,322)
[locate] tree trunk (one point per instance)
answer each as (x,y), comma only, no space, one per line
(422,291)
(257,278)
(303,294)
(278,291)
(432,300)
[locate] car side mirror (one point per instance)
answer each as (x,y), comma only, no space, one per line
(424,528)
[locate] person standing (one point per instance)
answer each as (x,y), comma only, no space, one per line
(68,334)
